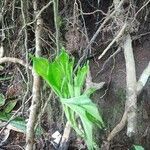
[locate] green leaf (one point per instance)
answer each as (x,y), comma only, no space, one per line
(138,147)
(58,73)
(88,128)
(2,100)
(18,123)
(90,110)
(41,66)
(70,115)
(10,105)
(89,91)
(87,112)
(79,79)
(68,86)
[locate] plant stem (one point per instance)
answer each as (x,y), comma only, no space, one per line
(56,21)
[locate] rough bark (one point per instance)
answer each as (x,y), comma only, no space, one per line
(143,79)
(131,95)
(56,20)
(36,99)
(64,144)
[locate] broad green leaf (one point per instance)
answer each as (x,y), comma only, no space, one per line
(90,109)
(88,128)
(57,73)
(89,91)
(81,75)
(87,112)
(93,115)
(18,123)
(41,66)
(79,79)
(71,90)
(2,100)
(87,125)
(10,105)
(70,115)
(138,147)
(4,116)
(68,86)
(55,77)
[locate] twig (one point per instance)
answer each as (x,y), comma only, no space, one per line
(108,17)
(27,59)
(142,8)
(35,19)
(111,56)
(38,14)
(14,60)
(2,35)
(122,123)
(90,13)
(44,108)
(131,102)
(90,84)
(118,127)
(121,32)
(14,115)
(56,20)
(143,79)
(64,144)
(130,108)
(1,50)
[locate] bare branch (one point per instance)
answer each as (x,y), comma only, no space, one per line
(118,127)
(36,100)
(39,13)
(108,17)
(142,8)
(143,79)
(14,60)
(131,102)
(140,84)
(56,20)
(64,144)
(121,32)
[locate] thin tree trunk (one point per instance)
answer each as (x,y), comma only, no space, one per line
(36,100)
(131,94)
(64,143)
(56,20)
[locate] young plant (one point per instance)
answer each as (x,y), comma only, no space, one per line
(138,147)
(68,86)
(18,123)
(5,114)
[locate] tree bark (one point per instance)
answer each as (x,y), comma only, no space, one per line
(36,99)
(131,94)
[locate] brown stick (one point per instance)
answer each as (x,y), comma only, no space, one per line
(64,144)
(143,79)
(14,60)
(121,32)
(36,100)
(131,95)
(140,84)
